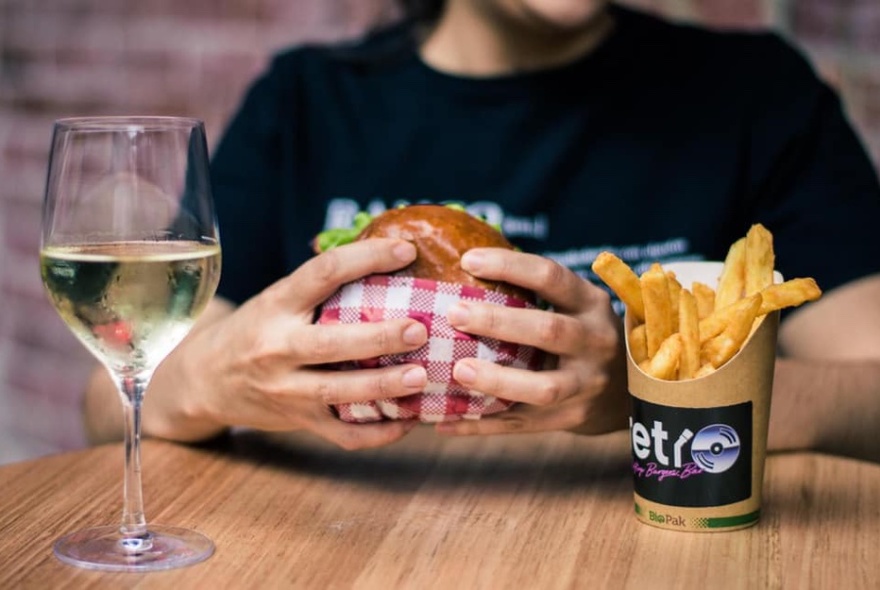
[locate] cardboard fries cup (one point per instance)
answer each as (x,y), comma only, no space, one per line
(699,445)
(382,297)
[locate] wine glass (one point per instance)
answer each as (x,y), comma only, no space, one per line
(130,256)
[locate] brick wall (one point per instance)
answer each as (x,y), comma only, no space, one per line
(79,57)
(195,57)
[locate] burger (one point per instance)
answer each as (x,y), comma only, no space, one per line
(424,290)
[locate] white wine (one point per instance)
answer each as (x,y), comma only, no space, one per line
(131,303)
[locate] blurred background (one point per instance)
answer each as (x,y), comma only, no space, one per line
(196,57)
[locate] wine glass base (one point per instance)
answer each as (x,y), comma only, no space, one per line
(106,548)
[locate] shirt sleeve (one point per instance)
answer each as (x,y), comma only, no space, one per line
(810,179)
(246,182)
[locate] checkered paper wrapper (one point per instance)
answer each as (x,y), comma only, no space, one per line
(383,297)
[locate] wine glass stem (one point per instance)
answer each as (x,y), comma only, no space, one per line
(134,523)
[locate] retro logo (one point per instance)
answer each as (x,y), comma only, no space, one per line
(692,456)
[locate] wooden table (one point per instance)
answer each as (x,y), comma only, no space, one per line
(530,511)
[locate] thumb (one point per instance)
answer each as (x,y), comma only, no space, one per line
(321,276)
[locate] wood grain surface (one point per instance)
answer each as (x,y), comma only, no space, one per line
(528,511)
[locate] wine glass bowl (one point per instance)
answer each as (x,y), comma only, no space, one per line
(130,256)
(130,302)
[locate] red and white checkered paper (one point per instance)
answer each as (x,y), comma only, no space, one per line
(382,297)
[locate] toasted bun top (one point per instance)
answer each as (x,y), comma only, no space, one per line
(441,235)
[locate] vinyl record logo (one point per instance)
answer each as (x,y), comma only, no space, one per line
(715,448)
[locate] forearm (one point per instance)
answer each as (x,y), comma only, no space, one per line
(169,408)
(829,406)
(165,409)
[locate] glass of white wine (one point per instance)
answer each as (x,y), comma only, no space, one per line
(130,255)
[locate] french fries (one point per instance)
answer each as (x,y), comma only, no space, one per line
(658,308)
(720,349)
(732,281)
(664,364)
(761,259)
(674,297)
(789,294)
(623,281)
(705,296)
(638,343)
(689,328)
(687,332)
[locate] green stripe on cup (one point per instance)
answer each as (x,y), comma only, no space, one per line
(723,522)
(717,522)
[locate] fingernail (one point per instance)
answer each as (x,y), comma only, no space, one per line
(415,333)
(472,261)
(464,373)
(415,377)
(458,314)
(404,251)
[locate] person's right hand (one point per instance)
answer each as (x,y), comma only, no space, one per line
(259,365)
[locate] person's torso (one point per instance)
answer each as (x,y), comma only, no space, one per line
(612,152)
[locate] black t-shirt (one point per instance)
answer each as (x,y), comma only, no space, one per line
(666,143)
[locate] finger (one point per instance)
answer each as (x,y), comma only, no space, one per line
(540,388)
(341,387)
(553,332)
(320,276)
(552,282)
(317,344)
(364,436)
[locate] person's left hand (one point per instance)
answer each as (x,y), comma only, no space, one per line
(584,387)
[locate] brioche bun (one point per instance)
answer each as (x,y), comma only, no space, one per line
(441,234)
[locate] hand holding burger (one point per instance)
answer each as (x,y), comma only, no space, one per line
(424,290)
